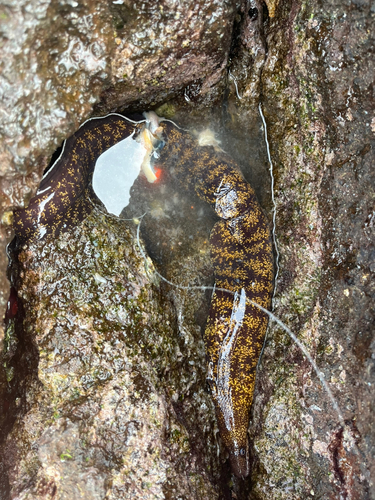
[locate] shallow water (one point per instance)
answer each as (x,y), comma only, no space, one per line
(175,219)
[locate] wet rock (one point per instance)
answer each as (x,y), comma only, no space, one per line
(112,401)
(310,64)
(248,55)
(318,103)
(60,59)
(165,47)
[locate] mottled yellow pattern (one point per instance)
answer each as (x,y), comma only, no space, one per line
(65,190)
(242,257)
(241,253)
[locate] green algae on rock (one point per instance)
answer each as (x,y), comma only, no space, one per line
(100,412)
(316,103)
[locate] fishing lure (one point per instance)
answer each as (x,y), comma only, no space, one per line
(241,249)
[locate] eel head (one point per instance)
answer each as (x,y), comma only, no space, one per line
(232,415)
(236,442)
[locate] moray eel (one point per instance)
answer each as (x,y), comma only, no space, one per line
(65,193)
(242,257)
(241,249)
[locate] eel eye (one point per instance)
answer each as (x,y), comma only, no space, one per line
(242,452)
(158,146)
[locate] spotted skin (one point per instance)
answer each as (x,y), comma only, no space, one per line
(242,257)
(64,194)
(241,253)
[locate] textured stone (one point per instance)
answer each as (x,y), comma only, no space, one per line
(60,59)
(103,405)
(318,102)
(311,64)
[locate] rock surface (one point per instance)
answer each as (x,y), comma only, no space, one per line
(102,413)
(317,87)
(310,63)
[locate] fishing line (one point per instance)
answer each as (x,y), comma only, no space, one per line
(274,318)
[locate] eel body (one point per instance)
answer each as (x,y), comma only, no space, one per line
(241,251)
(242,257)
(64,194)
